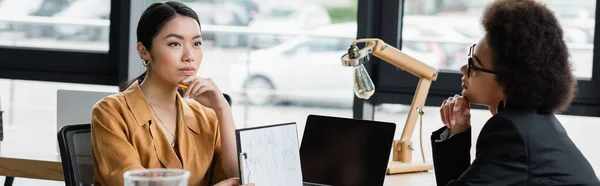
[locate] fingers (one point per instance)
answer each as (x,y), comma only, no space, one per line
(462,106)
(461,102)
(191,86)
(442,113)
(465,107)
(229,182)
(188,80)
(201,90)
(458,103)
(446,112)
(194,84)
(450,109)
(234,182)
(194,90)
(454,110)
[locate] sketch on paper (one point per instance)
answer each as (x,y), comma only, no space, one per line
(272,155)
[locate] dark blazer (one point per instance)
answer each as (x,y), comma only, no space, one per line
(515,147)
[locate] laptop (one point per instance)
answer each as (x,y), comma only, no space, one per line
(75,106)
(345,152)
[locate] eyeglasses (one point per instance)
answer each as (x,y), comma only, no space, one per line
(472,66)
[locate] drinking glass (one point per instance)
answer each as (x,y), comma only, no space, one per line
(156,177)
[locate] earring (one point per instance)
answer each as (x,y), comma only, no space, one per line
(145,63)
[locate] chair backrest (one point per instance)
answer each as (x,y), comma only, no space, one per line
(75,143)
(228,98)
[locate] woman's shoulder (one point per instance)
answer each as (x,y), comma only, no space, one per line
(503,123)
(528,125)
(524,120)
(113,101)
(110,111)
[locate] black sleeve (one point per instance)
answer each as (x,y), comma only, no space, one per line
(452,156)
(501,157)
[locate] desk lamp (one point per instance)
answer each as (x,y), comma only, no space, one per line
(364,88)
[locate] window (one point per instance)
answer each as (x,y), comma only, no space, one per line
(280,13)
(457,21)
(317,44)
(271,61)
(63,40)
(81,25)
(439,32)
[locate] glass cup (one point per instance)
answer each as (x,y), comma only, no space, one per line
(157,177)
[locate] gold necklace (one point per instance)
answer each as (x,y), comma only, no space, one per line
(163,124)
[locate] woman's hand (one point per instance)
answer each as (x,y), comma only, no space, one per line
(205,92)
(456,114)
(232,182)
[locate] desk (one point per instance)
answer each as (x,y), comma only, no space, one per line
(421,178)
(30,153)
(39,159)
(49,167)
(21,164)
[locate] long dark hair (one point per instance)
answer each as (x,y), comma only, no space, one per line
(151,23)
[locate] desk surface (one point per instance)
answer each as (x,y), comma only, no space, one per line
(30,159)
(19,163)
(41,160)
(421,178)
(48,167)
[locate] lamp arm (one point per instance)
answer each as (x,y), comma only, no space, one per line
(403,147)
(398,58)
(426,74)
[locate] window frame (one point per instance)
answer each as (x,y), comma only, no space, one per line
(70,66)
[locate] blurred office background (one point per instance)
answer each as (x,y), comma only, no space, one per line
(279,60)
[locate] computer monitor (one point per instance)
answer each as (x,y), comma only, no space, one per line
(345,152)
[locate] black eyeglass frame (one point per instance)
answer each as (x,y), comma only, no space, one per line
(470,64)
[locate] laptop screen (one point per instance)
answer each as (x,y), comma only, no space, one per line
(346,152)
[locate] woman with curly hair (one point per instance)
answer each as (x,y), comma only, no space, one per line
(521,71)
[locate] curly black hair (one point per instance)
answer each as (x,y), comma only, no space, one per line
(530,56)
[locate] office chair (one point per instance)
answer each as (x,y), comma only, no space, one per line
(228,98)
(75,143)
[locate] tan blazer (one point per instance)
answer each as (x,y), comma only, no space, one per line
(126,136)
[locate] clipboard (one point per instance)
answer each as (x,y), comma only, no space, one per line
(269,155)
